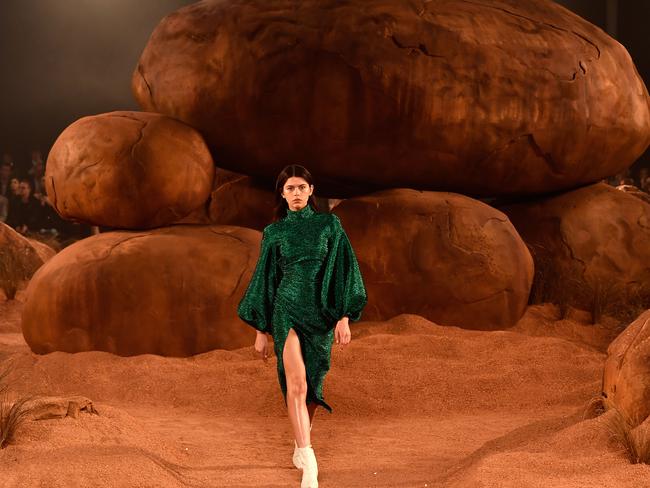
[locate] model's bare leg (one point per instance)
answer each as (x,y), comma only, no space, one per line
(294,370)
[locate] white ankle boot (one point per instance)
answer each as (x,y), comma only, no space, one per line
(296,460)
(307,459)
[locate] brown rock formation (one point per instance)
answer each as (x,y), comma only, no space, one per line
(444,256)
(591,245)
(128,170)
(635,192)
(49,407)
(478,97)
(20,257)
(171,291)
(626,378)
(44,251)
(242,202)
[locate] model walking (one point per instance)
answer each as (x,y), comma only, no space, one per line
(305,289)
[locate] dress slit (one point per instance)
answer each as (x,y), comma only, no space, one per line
(279,352)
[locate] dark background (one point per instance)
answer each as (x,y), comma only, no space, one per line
(64,59)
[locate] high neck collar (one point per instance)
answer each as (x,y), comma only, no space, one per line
(303,213)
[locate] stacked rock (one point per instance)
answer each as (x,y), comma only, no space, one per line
(163,288)
(410,114)
(490,99)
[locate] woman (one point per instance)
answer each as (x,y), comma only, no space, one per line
(305,289)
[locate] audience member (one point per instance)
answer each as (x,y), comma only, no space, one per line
(37,172)
(4,208)
(25,212)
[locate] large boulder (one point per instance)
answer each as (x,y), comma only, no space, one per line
(171,291)
(443,256)
(591,246)
(130,170)
(481,98)
(626,378)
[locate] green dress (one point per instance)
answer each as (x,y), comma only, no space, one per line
(307,278)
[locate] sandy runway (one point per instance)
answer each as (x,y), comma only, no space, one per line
(415,405)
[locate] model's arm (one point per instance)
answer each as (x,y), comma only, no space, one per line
(343,294)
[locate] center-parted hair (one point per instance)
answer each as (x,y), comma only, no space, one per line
(287,172)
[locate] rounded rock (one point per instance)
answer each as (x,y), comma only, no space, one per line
(171,291)
(130,170)
(480,98)
(443,256)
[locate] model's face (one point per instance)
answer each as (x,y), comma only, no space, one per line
(296,192)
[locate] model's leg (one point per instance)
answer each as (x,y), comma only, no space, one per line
(294,370)
(311,408)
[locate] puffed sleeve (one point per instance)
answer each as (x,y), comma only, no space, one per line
(343,292)
(256,306)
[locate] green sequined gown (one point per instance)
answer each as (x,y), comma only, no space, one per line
(307,278)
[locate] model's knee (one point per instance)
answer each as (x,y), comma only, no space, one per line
(294,368)
(297,388)
(296,381)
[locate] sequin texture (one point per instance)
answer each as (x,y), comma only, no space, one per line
(307,278)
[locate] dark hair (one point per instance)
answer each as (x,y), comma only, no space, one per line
(287,172)
(26,180)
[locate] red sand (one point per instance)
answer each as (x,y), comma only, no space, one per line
(415,405)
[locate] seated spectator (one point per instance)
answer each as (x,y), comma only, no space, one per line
(14,194)
(25,212)
(37,173)
(14,185)
(4,208)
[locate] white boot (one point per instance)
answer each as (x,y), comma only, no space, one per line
(296,459)
(307,459)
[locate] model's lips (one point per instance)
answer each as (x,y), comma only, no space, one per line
(297,200)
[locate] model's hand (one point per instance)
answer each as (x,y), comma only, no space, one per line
(342,331)
(262,346)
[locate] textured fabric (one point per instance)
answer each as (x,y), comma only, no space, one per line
(307,278)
